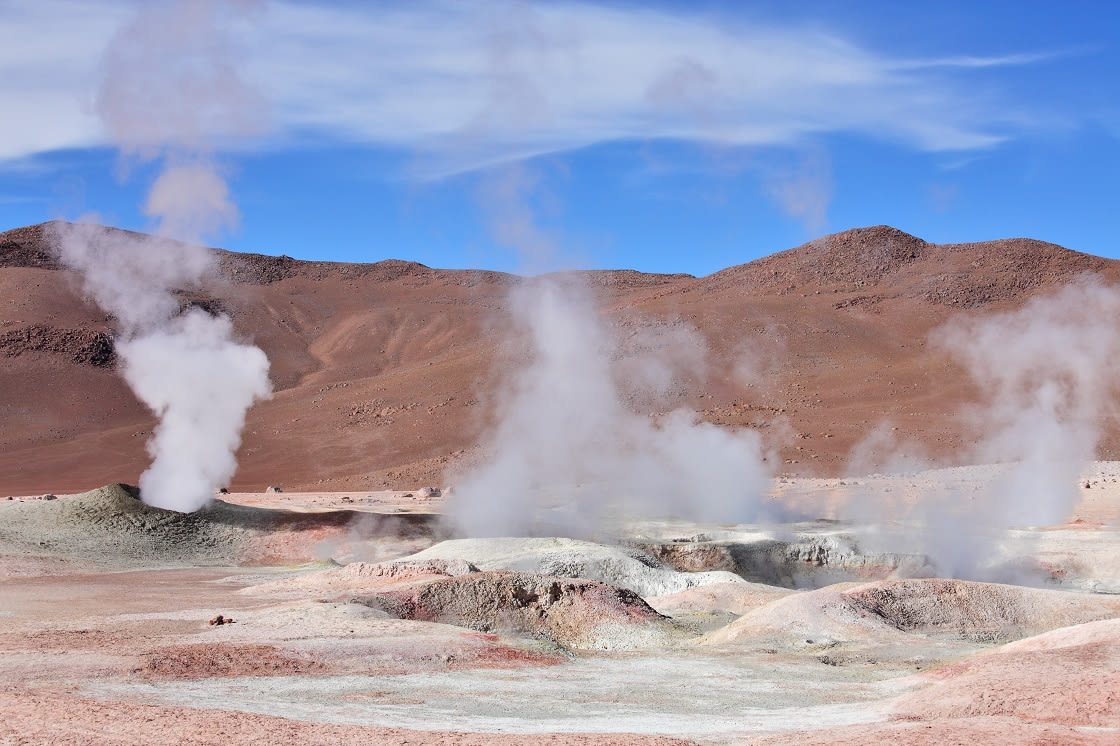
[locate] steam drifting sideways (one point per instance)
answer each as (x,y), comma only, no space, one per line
(168,86)
(1045,374)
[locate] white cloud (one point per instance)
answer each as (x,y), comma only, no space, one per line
(465,84)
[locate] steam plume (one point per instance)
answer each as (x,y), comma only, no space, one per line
(1045,374)
(567,453)
(169,92)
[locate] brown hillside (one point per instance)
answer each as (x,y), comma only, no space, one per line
(383,371)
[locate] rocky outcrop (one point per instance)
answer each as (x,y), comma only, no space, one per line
(80,346)
(27,247)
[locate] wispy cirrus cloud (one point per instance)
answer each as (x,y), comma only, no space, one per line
(462,85)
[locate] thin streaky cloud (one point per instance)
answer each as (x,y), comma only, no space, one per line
(974,62)
(463,86)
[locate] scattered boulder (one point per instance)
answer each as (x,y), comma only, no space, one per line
(429,492)
(273,489)
(49,497)
(219,620)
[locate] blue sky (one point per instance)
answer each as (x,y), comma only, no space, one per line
(524,136)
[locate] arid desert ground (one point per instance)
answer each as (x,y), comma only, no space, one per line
(354,620)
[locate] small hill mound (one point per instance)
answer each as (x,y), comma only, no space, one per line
(111,526)
(1068,676)
(960,609)
(264,269)
(854,259)
(978,610)
(897,264)
(570,558)
(576,613)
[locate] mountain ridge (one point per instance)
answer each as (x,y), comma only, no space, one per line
(385,373)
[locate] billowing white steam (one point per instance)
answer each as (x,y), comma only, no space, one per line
(1046,377)
(168,91)
(567,455)
(200,383)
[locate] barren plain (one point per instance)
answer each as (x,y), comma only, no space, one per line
(349,617)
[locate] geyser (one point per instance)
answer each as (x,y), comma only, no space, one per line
(168,89)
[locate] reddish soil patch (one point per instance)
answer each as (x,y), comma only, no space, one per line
(969,732)
(1068,684)
(203,661)
(497,655)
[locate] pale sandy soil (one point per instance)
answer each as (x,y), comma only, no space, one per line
(385,501)
(93,652)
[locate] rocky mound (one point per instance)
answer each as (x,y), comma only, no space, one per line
(570,558)
(110,526)
(889,612)
(1068,676)
(983,611)
(576,613)
(263,269)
